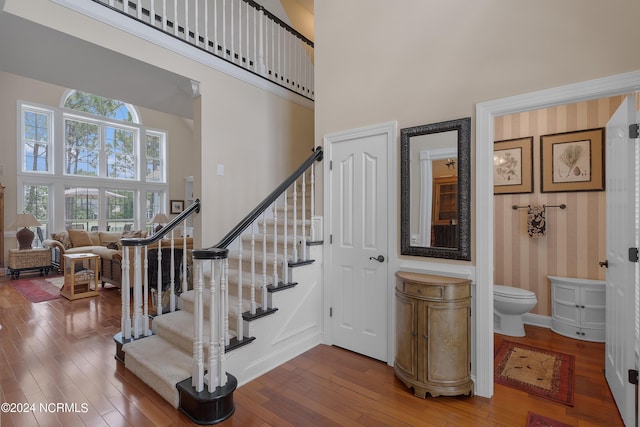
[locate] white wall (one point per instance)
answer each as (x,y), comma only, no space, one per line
(421,61)
(425,61)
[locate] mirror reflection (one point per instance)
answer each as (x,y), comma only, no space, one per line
(433,200)
(435,190)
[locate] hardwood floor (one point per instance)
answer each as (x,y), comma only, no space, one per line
(62,352)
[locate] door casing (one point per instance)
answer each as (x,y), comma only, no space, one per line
(486,112)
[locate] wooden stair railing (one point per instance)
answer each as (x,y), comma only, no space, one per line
(136,325)
(234,279)
(216,402)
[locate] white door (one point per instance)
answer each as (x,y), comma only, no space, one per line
(358,246)
(620,338)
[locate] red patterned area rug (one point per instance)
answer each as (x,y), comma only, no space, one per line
(39,289)
(537,371)
(537,420)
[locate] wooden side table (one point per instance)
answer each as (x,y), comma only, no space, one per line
(29,259)
(81,274)
(433,334)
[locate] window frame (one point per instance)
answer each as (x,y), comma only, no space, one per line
(49,112)
(58,180)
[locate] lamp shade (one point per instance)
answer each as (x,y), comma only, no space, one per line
(26,220)
(159,219)
(25,236)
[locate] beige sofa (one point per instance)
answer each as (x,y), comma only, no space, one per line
(106,244)
(103,243)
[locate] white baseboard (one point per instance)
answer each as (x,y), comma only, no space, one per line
(537,320)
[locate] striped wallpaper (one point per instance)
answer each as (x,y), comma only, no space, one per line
(575,236)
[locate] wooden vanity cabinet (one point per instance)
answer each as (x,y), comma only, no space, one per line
(433,334)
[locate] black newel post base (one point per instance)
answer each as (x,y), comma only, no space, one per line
(206,408)
(119,343)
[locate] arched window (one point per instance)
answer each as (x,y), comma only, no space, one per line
(100,106)
(95,159)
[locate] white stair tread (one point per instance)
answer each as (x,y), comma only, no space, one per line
(178,329)
(246,279)
(159,364)
(181,322)
(259,256)
(155,348)
(189,298)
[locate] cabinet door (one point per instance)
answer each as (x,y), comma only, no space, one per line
(593,307)
(446,200)
(447,353)
(406,324)
(566,304)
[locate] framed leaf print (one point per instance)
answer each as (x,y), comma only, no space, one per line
(513,166)
(572,161)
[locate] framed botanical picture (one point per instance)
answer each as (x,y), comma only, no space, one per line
(177,206)
(572,161)
(513,166)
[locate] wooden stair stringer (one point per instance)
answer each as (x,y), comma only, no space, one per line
(295,328)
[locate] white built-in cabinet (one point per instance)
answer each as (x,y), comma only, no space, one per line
(578,308)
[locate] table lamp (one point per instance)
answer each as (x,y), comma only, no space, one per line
(25,236)
(159,219)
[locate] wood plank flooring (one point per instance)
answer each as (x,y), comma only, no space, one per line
(61,352)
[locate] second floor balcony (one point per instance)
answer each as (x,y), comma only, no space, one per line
(240,32)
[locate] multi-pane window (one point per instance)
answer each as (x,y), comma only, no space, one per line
(36,138)
(36,202)
(81,208)
(155,154)
(107,170)
(81,148)
(99,106)
(153,206)
(120,153)
(120,214)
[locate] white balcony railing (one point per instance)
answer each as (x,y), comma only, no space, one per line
(241,32)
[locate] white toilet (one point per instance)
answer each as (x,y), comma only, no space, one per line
(509,304)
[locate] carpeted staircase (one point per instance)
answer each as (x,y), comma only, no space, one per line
(281,329)
(268,303)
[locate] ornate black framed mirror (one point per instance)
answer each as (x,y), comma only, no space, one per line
(435,187)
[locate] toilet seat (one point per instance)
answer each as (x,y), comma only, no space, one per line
(511,292)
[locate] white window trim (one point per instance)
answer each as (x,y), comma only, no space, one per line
(57,180)
(22,108)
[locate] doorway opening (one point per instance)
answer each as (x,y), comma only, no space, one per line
(486,114)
